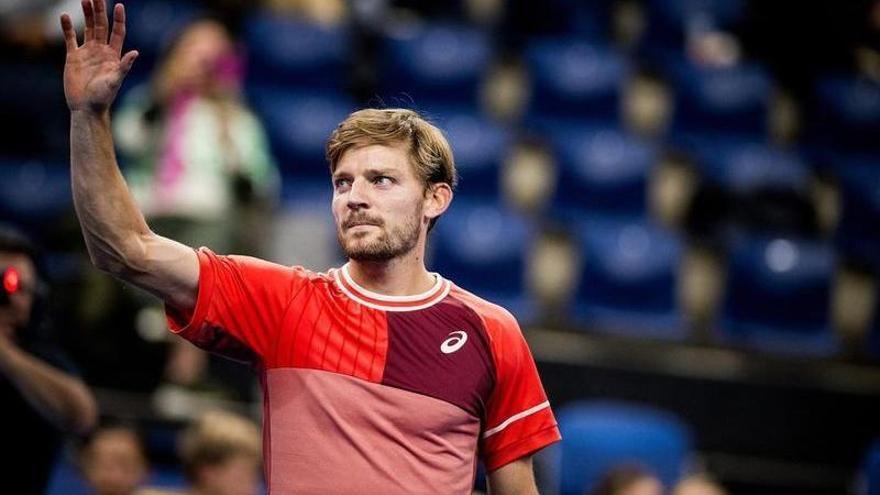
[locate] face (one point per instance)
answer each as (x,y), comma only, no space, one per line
(697,487)
(644,486)
(239,475)
(17,313)
(380,206)
(198,52)
(114,464)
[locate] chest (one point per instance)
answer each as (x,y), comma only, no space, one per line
(441,352)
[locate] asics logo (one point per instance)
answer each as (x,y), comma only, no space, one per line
(453,342)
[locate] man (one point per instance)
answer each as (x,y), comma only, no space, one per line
(379,377)
(40,398)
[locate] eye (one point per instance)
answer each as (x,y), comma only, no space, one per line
(341,183)
(383,180)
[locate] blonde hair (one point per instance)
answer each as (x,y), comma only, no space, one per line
(429,150)
(215,437)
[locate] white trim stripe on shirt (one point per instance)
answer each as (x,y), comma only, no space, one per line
(447,286)
(520,415)
(436,288)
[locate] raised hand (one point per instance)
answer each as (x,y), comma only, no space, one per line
(94,70)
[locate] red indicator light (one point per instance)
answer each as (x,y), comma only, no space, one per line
(11,280)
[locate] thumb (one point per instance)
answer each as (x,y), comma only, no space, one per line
(127,61)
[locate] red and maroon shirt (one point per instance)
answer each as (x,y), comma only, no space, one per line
(367,393)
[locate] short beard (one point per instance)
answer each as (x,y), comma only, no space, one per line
(390,244)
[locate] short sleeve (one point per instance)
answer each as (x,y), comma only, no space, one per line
(240,305)
(519,420)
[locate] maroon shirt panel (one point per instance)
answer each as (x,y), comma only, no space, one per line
(416,361)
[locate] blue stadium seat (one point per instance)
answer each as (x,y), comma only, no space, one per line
(846,113)
(600,435)
(434,62)
(298,124)
(628,285)
(602,169)
(778,296)
(295,53)
(33,191)
(574,79)
(733,99)
(741,164)
(858,235)
(585,19)
(156,23)
(481,246)
(478,144)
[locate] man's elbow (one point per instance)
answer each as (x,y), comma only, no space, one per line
(86,419)
(122,261)
(82,415)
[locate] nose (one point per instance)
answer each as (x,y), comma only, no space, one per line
(358,195)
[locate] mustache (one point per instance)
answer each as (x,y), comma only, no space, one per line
(361,220)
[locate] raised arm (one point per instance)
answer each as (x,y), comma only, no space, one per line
(116,235)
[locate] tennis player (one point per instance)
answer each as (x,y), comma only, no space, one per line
(380,377)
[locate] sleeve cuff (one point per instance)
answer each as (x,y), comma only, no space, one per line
(522,448)
(185,323)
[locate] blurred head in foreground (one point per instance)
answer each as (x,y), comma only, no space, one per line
(221,454)
(628,480)
(114,461)
(698,484)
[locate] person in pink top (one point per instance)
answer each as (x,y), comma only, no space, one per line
(380,377)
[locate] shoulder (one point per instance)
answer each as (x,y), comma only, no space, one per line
(251,263)
(239,271)
(499,322)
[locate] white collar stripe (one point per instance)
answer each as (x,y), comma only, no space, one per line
(428,299)
(437,287)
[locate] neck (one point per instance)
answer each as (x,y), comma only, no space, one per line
(402,276)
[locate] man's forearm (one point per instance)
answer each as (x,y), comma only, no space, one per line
(112,225)
(516,478)
(63,400)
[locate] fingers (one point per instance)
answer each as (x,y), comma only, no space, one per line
(90,20)
(69,33)
(127,61)
(118,36)
(101,24)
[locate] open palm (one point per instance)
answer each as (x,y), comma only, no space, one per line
(94,70)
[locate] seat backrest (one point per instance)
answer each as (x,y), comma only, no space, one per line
(600,435)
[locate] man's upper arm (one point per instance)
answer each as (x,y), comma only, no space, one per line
(168,269)
(515,478)
(519,420)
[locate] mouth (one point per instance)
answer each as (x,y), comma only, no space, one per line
(359,223)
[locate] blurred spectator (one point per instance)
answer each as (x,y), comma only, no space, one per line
(195,153)
(198,159)
(221,455)
(41,397)
(698,484)
(114,461)
(628,480)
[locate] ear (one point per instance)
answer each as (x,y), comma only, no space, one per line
(438,197)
